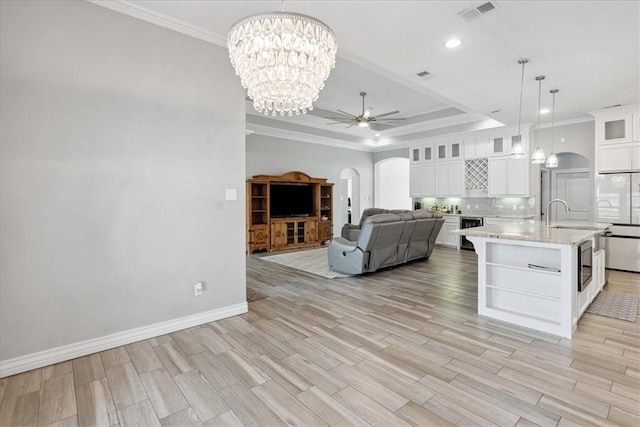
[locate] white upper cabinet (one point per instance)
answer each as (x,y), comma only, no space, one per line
(617,139)
(422,153)
(456,149)
(442,151)
(498,145)
(508,177)
(614,129)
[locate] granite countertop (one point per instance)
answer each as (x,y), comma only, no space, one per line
(563,233)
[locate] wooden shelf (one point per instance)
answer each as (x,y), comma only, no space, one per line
(273,234)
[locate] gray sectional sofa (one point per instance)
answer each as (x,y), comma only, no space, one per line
(385,240)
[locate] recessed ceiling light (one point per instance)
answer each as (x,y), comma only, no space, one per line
(453,43)
(495,111)
(377,134)
(545,111)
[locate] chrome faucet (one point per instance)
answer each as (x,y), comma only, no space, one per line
(566,207)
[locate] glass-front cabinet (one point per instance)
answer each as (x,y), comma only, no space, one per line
(615,129)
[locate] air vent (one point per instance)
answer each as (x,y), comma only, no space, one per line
(423,73)
(613,106)
(474,12)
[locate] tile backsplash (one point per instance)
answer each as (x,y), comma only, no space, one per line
(481,205)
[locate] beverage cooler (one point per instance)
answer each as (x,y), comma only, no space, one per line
(618,203)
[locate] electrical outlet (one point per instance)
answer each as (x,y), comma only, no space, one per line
(198,288)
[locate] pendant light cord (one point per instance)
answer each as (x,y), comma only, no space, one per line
(553,117)
(522,61)
(539,79)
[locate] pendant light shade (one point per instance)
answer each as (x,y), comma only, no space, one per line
(538,155)
(517,149)
(552,160)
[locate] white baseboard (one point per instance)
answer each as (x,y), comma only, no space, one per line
(94,345)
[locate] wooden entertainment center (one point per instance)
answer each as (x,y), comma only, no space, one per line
(290,228)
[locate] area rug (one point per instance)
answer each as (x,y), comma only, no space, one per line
(618,306)
(312,261)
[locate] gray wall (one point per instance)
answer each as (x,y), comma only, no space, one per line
(275,156)
(579,138)
(118,140)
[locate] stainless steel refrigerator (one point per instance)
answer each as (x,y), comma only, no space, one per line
(618,203)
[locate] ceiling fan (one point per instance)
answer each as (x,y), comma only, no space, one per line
(366,119)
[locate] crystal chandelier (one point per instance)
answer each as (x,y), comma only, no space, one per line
(283,60)
(517,149)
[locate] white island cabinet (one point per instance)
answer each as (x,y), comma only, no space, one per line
(528,274)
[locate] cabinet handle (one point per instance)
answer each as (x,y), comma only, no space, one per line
(543,268)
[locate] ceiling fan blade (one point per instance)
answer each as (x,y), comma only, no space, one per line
(338,123)
(348,114)
(390,119)
(351,125)
(387,114)
(343,119)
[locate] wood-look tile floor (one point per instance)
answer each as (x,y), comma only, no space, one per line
(398,347)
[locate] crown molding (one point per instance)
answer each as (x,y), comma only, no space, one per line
(566,122)
(162,20)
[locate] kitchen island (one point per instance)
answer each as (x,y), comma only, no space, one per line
(528,273)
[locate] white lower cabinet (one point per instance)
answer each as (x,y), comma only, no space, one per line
(445,237)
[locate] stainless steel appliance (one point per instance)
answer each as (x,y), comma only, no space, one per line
(585,264)
(469,222)
(618,202)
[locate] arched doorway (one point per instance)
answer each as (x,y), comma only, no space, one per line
(392,183)
(572,182)
(349,200)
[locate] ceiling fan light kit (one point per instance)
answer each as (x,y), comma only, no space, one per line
(282,59)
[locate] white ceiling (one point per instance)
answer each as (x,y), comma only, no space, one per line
(590,50)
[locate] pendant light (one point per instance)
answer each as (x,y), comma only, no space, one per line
(517,149)
(538,155)
(552,160)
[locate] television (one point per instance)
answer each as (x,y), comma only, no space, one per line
(290,199)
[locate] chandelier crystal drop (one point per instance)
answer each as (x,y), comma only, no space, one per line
(283,60)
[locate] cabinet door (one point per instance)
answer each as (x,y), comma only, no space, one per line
(517,177)
(440,238)
(635,157)
(278,235)
(456,149)
(615,129)
(635,132)
(451,239)
(442,179)
(482,147)
(428,180)
(414,155)
(614,158)
(309,230)
(498,145)
(326,230)
(470,148)
(415,181)
(456,179)
(441,151)
(497,177)
(428,153)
